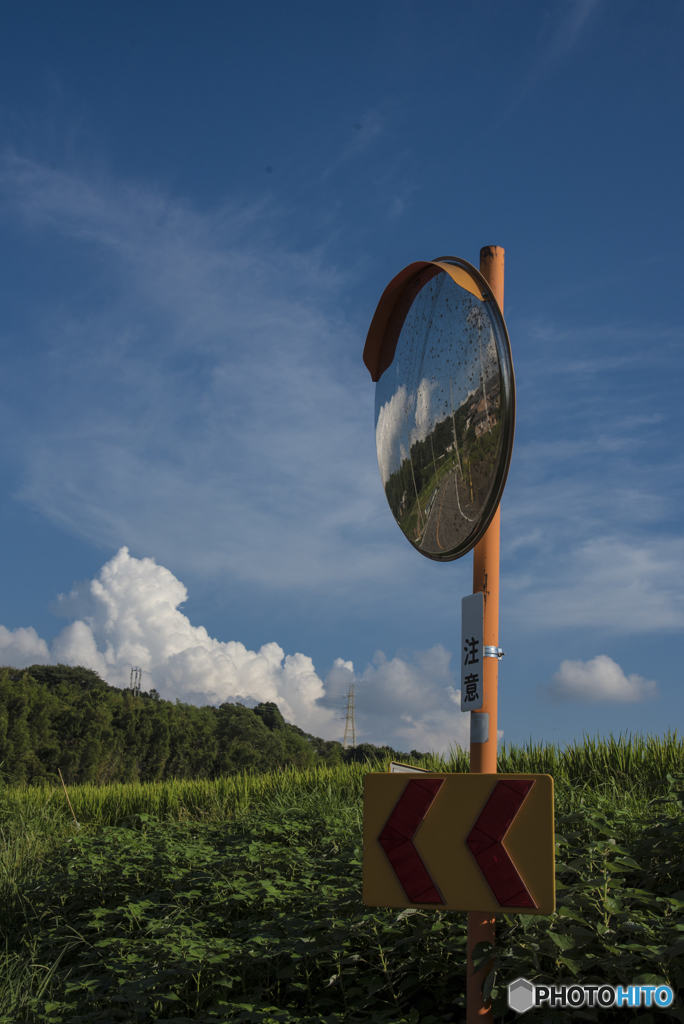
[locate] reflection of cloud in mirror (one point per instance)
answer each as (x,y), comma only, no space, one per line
(423,416)
(390,428)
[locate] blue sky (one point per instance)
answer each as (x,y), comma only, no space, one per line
(200,207)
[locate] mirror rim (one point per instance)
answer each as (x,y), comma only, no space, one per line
(378,355)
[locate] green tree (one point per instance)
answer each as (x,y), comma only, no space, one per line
(68,718)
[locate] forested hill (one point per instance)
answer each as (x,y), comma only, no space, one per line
(58,716)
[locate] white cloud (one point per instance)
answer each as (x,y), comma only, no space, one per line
(600,679)
(409,702)
(198,399)
(390,428)
(423,411)
(129,615)
(591,517)
(20,647)
(627,586)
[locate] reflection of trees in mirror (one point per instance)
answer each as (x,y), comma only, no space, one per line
(464,445)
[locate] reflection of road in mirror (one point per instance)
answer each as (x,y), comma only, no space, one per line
(438,418)
(457,479)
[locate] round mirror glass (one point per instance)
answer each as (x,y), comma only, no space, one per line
(445,409)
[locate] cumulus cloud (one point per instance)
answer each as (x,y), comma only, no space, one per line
(22,647)
(410,702)
(129,615)
(600,679)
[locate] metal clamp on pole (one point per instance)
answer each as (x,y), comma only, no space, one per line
(494,652)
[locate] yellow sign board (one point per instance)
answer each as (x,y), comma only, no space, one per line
(459,842)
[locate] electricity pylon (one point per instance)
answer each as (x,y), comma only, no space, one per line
(349,723)
(136,679)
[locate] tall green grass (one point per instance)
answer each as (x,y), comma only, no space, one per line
(625,761)
(328,789)
(622,768)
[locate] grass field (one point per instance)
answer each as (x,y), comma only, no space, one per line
(239,899)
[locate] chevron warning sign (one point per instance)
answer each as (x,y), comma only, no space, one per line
(396,840)
(459,842)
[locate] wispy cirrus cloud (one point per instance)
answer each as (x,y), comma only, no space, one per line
(592,529)
(563,34)
(189,403)
(192,395)
(559,34)
(606,583)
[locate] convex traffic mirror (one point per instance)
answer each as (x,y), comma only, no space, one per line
(439,352)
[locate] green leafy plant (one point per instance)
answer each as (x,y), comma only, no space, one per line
(242,903)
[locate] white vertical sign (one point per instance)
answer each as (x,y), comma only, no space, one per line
(472,651)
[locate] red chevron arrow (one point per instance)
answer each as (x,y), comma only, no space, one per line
(397,835)
(485,842)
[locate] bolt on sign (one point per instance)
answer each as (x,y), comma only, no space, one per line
(459,842)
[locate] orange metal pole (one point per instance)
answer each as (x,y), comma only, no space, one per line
(483,755)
